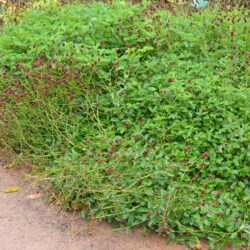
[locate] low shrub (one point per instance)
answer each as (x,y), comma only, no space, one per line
(137,117)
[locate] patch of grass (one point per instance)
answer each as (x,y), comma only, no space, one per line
(138,117)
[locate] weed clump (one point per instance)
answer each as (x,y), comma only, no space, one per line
(136,117)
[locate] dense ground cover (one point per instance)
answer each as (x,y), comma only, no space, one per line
(137,117)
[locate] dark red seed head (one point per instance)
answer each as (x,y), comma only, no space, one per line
(109,170)
(149,214)
(109,154)
(171,79)
(220,214)
(204,155)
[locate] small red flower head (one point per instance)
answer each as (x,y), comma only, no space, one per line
(204,155)
(109,170)
(171,79)
(220,214)
(149,214)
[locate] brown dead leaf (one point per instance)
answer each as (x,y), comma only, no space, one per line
(33,196)
(197,245)
(11,189)
(90,233)
(74,206)
(9,165)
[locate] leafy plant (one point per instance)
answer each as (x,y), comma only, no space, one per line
(138,117)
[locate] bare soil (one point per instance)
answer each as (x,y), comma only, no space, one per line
(28,222)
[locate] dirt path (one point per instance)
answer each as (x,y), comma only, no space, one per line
(28,223)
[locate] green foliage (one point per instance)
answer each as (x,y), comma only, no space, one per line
(139,117)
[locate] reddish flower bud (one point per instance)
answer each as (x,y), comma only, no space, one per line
(109,170)
(171,79)
(220,214)
(196,176)
(109,154)
(149,214)
(204,155)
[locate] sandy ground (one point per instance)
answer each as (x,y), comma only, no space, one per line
(30,223)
